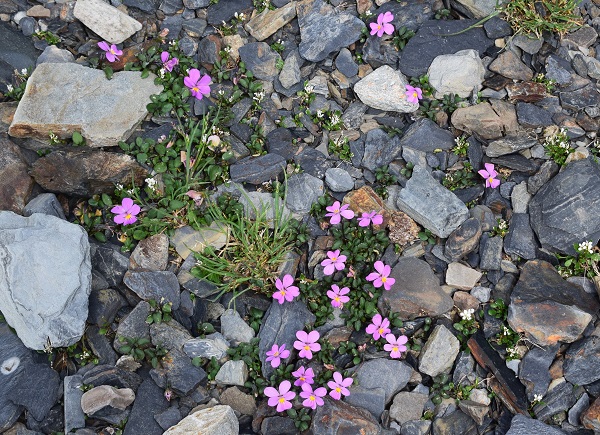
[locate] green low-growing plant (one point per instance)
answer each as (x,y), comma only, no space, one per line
(529,17)
(383,179)
(548,83)
(141,349)
(558,147)
(427,236)
(423,83)
(466,326)
(498,309)
(340,148)
(48,36)
(15,92)
(402,36)
(407,169)
(501,229)
(91,215)
(462,146)
(460,178)
(584,263)
(248,352)
(159,312)
(301,418)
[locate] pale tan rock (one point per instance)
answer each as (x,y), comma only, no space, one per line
(235,42)
(102,396)
(268,22)
(107,21)
(186,239)
(218,420)
(462,277)
(385,89)
(38,11)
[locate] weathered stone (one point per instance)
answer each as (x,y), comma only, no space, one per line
(149,401)
(482,120)
(431,205)
(233,327)
(213,345)
(86,172)
(532,116)
(169,335)
(566,210)
(103,306)
(521,425)
(402,229)
(490,253)
(290,73)
(105,20)
(233,373)
(581,365)
(109,263)
(257,170)
(218,420)
(15,183)
(240,402)
(380,149)
(439,352)
(385,89)
(52,307)
(134,325)
(338,180)
(177,372)
(102,396)
(547,308)
(263,25)
(509,145)
(475,8)
(365,200)
(225,11)
(336,417)
(303,190)
(533,370)
(74,415)
(323,31)
(520,240)
(65,97)
(460,73)
(591,417)
(407,406)
(560,397)
(260,59)
(16,52)
(463,240)
(462,277)
(528,92)
(417,291)
(509,65)
(581,98)
(187,240)
(426,135)
(151,253)
(161,286)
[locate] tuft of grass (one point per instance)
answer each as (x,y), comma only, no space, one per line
(534,17)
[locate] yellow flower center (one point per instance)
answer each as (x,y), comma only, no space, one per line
(282,292)
(383,278)
(333,258)
(128,216)
(112,51)
(491,179)
(378,26)
(195,89)
(337,298)
(306,347)
(338,389)
(302,378)
(395,349)
(312,398)
(337,210)
(415,95)
(281,400)
(380,331)
(276,354)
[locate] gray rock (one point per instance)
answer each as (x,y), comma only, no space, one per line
(528,43)
(244,404)
(196,4)
(290,74)
(559,398)
(491,254)
(218,420)
(510,66)
(385,89)
(51,306)
(186,239)
(455,423)
(476,411)
(279,326)
(169,335)
(195,29)
(28,26)
(475,8)
(567,209)
(160,286)
(509,145)
(345,63)
(431,205)
(338,180)
(213,345)
(486,120)
(233,327)
(429,42)
(224,11)
(417,291)
(151,253)
(520,239)
(169,417)
(532,116)
(109,262)
(497,28)
(303,190)
(265,24)
(16,52)
(76,98)
(53,54)
(520,198)
(150,400)
(257,170)
(426,135)
(521,425)
(46,203)
(416,427)
(74,415)
(278,425)
(548,170)
(106,21)
(104,305)
(323,31)
(533,370)
(15,183)
(408,406)
(463,240)
(581,366)
(380,149)
(439,352)
(260,59)
(371,399)
(460,73)
(104,396)
(581,98)
(575,412)
(462,277)
(177,372)
(233,373)
(133,325)
(336,415)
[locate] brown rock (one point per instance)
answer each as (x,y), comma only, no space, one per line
(7,112)
(86,172)
(591,417)
(529,92)
(337,417)
(338,335)
(403,230)
(15,183)
(38,11)
(365,200)
(363,6)
(484,121)
(102,396)
(463,240)
(151,253)
(240,402)
(464,301)
(130,55)
(509,65)
(268,22)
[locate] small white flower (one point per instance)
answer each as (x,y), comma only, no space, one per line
(537,398)
(119,186)
(505,331)
(151,182)
(228,49)
(161,73)
(368,13)
(9,87)
(24,71)
(309,88)
(319,113)
(502,224)
(513,352)
(335,120)
(586,246)
(467,314)
(130,191)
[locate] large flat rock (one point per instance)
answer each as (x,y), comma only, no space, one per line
(45,278)
(107,21)
(64,97)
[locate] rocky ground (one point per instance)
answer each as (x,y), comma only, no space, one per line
(109,328)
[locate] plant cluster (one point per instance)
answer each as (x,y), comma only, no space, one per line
(548,83)
(327,119)
(584,263)
(403,35)
(555,16)
(507,337)
(466,326)
(462,146)
(48,36)
(341,148)
(15,92)
(501,229)
(159,312)
(448,104)
(141,349)
(558,147)
(460,179)
(383,179)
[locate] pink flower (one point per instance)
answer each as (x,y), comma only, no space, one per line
(379,327)
(489,173)
(280,398)
(382,25)
(307,343)
(126,212)
(303,376)
(285,290)
(413,94)
(276,354)
(196,196)
(168,64)
(395,346)
(334,262)
(168,395)
(368,218)
(381,277)
(336,212)
(337,295)
(198,86)
(111,52)
(312,398)
(339,386)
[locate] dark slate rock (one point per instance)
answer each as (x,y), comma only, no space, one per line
(377,53)
(303,190)
(581,98)
(208,50)
(279,141)
(169,417)
(260,59)
(109,262)
(516,162)
(558,399)
(25,383)
(521,425)
(46,203)
(323,30)
(463,240)
(380,149)
(244,132)
(371,399)
(161,286)
(429,42)
(426,135)
(170,7)
(16,52)
(278,425)
(417,291)
(336,417)
(416,427)
(28,25)
(456,423)
(174,23)
(257,170)
(547,308)
(566,210)
(114,376)
(134,325)
(354,114)
(177,372)
(475,152)
(497,28)
(149,401)
(280,324)
(8,7)
(143,5)
(532,116)
(196,4)
(491,253)
(548,170)
(188,46)
(345,63)
(225,11)
(582,362)
(74,416)
(103,306)
(533,370)
(411,14)
(558,69)
(313,162)
(509,145)
(101,345)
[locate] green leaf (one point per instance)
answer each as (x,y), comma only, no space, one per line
(160,167)
(175,204)
(100,236)
(125,349)
(213,172)
(140,234)
(157,317)
(108,71)
(106,199)
(145,73)
(77,138)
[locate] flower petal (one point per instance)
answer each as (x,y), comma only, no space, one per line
(288,280)
(127,203)
(313,336)
(104,45)
(271,392)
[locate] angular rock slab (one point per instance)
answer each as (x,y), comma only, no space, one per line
(336,417)
(105,20)
(385,89)
(65,97)
(521,425)
(417,291)
(459,73)
(269,21)
(218,420)
(323,31)
(547,308)
(582,362)
(15,183)
(431,204)
(566,210)
(45,280)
